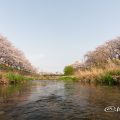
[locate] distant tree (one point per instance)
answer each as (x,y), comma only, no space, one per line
(68,70)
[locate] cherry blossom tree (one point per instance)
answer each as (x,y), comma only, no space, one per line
(13,57)
(103,54)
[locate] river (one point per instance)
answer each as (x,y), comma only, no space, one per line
(58,100)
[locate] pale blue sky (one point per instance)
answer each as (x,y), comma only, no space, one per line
(54,33)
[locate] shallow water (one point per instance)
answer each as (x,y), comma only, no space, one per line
(58,100)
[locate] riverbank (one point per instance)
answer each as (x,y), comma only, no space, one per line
(110,75)
(10,75)
(99,76)
(12,78)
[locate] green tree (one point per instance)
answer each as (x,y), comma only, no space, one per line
(68,70)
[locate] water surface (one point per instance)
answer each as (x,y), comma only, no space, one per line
(58,100)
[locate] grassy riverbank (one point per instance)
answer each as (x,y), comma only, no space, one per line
(110,75)
(12,78)
(9,75)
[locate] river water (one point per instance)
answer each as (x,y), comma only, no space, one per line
(58,100)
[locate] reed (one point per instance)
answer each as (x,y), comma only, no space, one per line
(102,75)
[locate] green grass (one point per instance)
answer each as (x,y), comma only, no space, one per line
(114,72)
(68,78)
(16,78)
(106,79)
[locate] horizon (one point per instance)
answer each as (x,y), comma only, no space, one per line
(53,34)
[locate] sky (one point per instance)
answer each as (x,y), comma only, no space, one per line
(55,33)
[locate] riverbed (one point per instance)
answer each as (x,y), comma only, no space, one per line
(58,100)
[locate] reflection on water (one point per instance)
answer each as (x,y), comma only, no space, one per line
(58,100)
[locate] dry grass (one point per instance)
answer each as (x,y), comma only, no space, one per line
(96,74)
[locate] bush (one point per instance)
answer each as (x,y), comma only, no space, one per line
(68,70)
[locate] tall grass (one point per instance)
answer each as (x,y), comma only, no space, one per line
(95,74)
(16,78)
(107,79)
